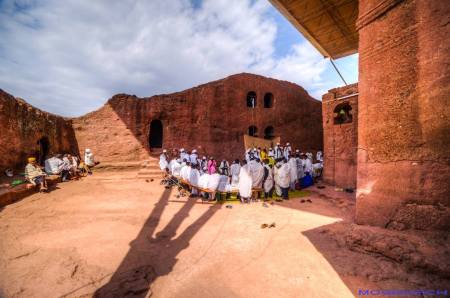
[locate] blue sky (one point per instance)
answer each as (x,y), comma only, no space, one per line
(68,57)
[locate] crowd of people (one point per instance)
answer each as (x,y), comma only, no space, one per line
(277,169)
(66,166)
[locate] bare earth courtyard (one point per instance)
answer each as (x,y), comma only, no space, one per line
(111,235)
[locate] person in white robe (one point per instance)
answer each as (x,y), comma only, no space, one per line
(299,161)
(175,167)
(283,180)
(268,180)
(278,151)
(89,158)
(194,176)
(307,165)
(204,165)
(184,155)
(319,156)
(213,184)
(224,183)
(234,172)
(287,151)
(245,182)
(256,171)
(203,180)
(224,168)
(292,172)
(271,153)
(185,171)
(248,155)
(163,163)
(193,157)
(276,178)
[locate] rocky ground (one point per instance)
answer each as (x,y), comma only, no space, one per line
(112,235)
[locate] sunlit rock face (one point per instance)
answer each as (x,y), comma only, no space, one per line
(211,118)
(403,125)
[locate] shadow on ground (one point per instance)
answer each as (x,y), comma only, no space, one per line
(150,257)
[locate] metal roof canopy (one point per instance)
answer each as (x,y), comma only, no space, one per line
(330,25)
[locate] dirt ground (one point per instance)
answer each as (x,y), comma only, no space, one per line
(110,235)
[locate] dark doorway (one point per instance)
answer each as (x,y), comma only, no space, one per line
(251,99)
(44,147)
(268,100)
(156,134)
(269,133)
(252,130)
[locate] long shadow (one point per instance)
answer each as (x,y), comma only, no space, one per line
(152,256)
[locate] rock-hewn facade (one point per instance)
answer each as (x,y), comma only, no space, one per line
(211,118)
(403,126)
(27,131)
(340,135)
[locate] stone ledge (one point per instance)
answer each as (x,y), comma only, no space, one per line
(13,194)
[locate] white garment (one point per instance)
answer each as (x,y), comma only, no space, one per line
(203,180)
(283,174)
(89,159)
(185,172)
(268,183)
(213,181)
(194,177)
(276,179)
(293,169)
(224,167)
(271,153)
(319,156)
(307,165)
(163,164)
(245,182)
(234,172)
(175,167)
(223,184)
(278,152)
(193,158)
(53,165)
(257,173)
(183,156)
(300,173)
(287,152)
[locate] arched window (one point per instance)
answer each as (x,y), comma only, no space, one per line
(342,113)
(251,99)
(269,133)
(252,130)
(268,100)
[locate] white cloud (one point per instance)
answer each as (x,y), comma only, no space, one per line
(68,57)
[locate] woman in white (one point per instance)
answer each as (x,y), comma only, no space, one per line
(293,172)
(194,176)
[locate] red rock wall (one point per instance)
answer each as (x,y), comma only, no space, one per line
(21,127)
(340,141)
(404,128)
(211,118)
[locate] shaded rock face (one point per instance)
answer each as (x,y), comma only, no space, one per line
(27,131)
(403,126)
(211,118)
(340,135)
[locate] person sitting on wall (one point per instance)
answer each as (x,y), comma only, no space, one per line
(55,166)
(35,175)
(68,165)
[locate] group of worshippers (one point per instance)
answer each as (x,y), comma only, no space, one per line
(276,169)
(65,166)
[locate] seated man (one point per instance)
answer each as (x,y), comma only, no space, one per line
(35,175)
